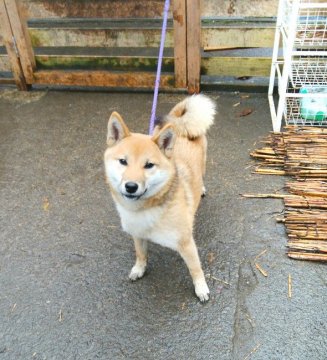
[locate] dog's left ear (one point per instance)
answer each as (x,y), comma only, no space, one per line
(117,129)
(165,139)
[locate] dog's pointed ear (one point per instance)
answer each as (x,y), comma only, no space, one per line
(117,129)
(165,139)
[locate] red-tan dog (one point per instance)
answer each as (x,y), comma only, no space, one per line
(157,182)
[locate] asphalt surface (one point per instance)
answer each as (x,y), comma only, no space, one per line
(64,264)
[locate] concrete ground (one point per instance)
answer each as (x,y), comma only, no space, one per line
(64,288)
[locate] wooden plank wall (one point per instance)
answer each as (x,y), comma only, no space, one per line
(180,37)
(101,43)
(112,9)
(6,74)
(237,38)
(193,42)
(239,8)
(41,9)
(122,37)
(8,9)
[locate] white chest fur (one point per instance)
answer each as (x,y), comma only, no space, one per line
(147,224)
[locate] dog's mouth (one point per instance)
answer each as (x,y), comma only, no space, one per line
(133,196)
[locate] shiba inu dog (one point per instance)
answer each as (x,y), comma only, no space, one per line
(157,182)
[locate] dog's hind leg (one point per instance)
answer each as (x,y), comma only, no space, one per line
(204,163)
(141,250)
(189,253)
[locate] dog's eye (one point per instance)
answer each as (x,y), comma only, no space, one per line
(148,165)
(123,162)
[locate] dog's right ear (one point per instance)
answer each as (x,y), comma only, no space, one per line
(117,129)
(165,139)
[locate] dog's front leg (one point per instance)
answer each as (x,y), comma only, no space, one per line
(141,250)
(189,253)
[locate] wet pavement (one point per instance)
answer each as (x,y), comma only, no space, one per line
(64,262)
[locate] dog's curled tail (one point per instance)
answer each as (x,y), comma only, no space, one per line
(193,116)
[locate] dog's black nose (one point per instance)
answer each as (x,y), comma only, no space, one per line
(131,187)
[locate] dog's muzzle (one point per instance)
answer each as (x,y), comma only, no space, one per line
(130,191)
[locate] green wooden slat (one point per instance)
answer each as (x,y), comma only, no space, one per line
(236,66)
(103,63)
(146,32)
(99,37)
(96,24)
(117,79)
(237,37)
(211,37)
(113,59)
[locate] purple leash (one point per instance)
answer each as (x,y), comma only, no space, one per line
(157,82)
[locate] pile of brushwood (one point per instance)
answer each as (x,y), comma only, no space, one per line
(299,152)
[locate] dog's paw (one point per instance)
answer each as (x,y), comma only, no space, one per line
(202,291)
(204,191)
(137,272)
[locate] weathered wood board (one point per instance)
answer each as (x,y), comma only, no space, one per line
(99,38)
(102,78)
(4,63)
(7,80)
(110,59)
(236,66)
(94,8)
(146,33)
(143,8)
(22,42)
(11,48)
(193,42)
(180,38)
(4,60)
(123,36)
(237,33)
(223,63)
(240,8)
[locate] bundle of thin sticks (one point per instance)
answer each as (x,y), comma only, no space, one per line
(306,219)
(302,154)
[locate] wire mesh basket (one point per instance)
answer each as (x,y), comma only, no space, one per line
(308,71)
(302,71)
(306,107)
(310,23)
